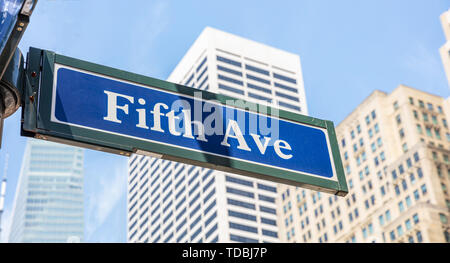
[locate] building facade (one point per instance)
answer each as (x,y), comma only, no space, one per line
(174,202)
(48,205)
(395,150)
(445,49)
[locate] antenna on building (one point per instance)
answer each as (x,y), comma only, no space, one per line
(3,191)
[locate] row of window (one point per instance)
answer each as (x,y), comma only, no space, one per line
(256,69)
(252,86)
(251,229)
(371,117)
(425,118)
(399,230)
(430,106)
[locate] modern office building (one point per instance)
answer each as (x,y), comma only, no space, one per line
(395,150)
(445,49)
(48,205)
(174,202)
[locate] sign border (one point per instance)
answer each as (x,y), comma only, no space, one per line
(37,123)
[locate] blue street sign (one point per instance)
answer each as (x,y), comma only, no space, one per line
(98,102)
(102,107)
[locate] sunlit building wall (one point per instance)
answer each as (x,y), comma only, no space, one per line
(395,150)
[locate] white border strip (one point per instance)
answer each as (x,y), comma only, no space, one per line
(54,119)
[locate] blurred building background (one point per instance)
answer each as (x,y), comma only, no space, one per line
(173,202)
(395,150)
(48,205)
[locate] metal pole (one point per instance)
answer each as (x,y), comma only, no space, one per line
(11,64)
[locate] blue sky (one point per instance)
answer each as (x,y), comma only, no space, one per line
(347,48)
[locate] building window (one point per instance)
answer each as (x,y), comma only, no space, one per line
(419,129)
(412,178)
(416,195)
(419,236)
(388,215)
(446,160)
(434,119)
(227,88)
(235,72)
(243,227)
(400,169)
(408,201)
(394,174)
(401,207)
(392,235)
(379,142)
(231,80)
(382,157)
(381,220)
(419,172)
(401,133)
(383,192)
(421,104)
(404,185)
(405,147)
(447,236)
(400,230)
(398,119)
(395,105)
(444,188)
(281,77)
(397,190)
(376,161)
(416,157)
(443,218)
(229,61)
(424,189)
(285,87)
(408,224)
(416,219)
(258,70)
(435,156)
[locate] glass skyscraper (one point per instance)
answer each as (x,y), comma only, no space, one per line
(174,202)
(48,205)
